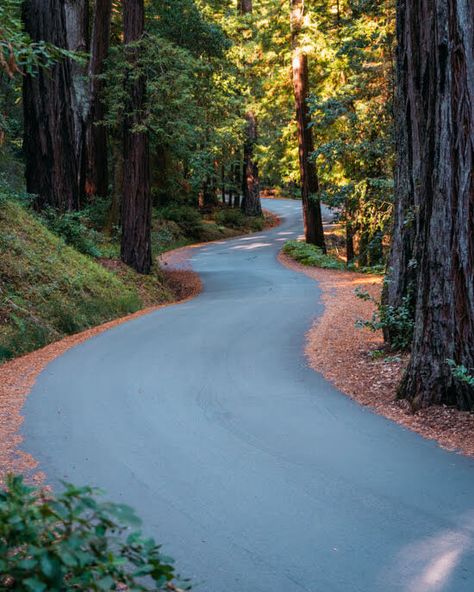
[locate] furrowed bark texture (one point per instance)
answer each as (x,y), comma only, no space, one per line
(434,224)
(313,224)
(52,169)
(251,205)
(96,162)
(136,205)
(77,34)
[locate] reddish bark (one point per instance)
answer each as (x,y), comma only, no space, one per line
(136,204)
(433,249)
(313,224)
(96,162)
(52,168)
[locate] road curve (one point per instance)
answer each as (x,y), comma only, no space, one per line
(254,472)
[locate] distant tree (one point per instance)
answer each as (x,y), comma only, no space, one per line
(432,257)
(251,205)
(136,204)
(313,224)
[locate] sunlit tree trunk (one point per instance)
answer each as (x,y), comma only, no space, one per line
(50,139)
(433,248)
(251,205)
(136,204)
(96,162)
(313,224)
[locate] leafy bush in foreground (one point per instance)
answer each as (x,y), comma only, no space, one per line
(311,255)
(74,542)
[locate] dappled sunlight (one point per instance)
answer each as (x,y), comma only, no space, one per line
(251,247)
(250,238)
(287,233)
(430,564)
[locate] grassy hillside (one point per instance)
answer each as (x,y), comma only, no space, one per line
(49,290)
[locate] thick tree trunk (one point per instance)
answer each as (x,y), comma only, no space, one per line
(245,6)
(434,225)
(77,34)
(96,162)
(313,224)
(136,204)
(52,168)
(251,205)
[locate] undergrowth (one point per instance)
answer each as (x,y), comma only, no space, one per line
(311,255)
(49,290)
(75,541)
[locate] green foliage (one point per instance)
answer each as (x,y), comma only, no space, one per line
(187,218)
(49,290)
(230,217)
(18,54)
(74,541)
(398,321)
(70,227)
(461,373)
(311,255)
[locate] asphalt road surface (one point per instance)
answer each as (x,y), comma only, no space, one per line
(252,471)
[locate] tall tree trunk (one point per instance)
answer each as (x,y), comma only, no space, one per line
(434,224)
(136,204)
(245,6)
(77,34)
(96,162)
(313,224)
(52,168)
(251,205)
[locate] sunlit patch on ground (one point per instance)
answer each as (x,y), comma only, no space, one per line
(430,564)
(251,247)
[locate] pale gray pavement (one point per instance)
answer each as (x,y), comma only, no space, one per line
(254,472)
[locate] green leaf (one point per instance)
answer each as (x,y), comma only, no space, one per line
(34,585)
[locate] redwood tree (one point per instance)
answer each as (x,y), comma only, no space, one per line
(432,256)
(136,204)
(52,168)
(313,223)
(96,166)
(251,204)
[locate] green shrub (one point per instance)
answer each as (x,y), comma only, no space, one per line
(186,217)
(71,229)
(257,224)
(461,373)
(73,541)
(397,321)
(311,255)
(231,217)
(97,212)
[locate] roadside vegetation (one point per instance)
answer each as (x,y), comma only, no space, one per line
(73,540)
(60,273)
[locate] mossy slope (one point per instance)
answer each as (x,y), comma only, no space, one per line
(49,290)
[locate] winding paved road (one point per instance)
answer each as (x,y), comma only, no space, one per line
(254,472)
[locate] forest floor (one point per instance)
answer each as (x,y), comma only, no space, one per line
(354,360)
